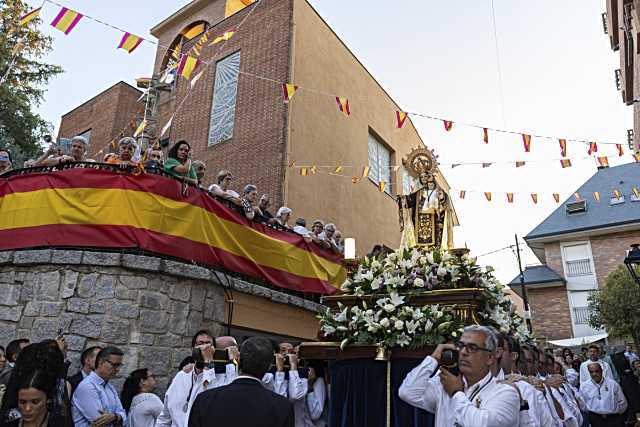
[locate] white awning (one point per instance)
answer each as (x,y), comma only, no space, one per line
(575,342)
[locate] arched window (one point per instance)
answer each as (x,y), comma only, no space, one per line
(172,56)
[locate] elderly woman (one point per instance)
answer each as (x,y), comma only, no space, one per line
(179,162)
(222,190)
(283,215)
(327,237)
(79,146)
(127,147)
(5,161)
(249,200)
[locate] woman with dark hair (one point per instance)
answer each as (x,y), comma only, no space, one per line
(33,398)
(179,162)
(142,406)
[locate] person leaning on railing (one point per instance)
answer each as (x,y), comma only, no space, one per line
(78,153)
(179,162)
(127,147)
(222,190)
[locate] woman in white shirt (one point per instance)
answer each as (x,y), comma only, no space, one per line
(142,406)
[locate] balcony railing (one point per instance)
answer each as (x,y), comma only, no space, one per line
(581,267)
(581,315)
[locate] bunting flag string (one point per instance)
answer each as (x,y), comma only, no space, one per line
(487,194)
(195,79)
(288,90)
(401,117)
(520,164)
(166,127)
(463,194)
(141,127)
(187,66)
(596,196)
(30,16)
(223,37)
(565,163)
(509,197)
(556,197)
(66,20)
(534,197)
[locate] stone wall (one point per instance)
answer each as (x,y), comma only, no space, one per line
(147,306)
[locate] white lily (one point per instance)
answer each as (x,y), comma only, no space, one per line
(375,284)
(396,299)
(428,326)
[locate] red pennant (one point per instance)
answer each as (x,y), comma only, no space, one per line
(526,139)
(485,135)
(448,125)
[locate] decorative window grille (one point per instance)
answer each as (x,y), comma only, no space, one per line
(225,89)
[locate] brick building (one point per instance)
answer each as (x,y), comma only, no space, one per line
(104,117)
(579,244)
(235,117)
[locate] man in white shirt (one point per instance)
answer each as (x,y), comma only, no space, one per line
(604,399)
(594,357)
(294,388)
(471,399)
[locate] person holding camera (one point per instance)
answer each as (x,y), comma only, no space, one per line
(190,382)
(470,398)
(79,146)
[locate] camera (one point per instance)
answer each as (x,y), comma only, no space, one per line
(47,139)
(449,360)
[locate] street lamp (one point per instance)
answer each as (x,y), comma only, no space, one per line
(632,261)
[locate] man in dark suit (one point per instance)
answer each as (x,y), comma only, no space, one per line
(88,361)
(244,402)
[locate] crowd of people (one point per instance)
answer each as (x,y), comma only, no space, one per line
(219,377)
(179,164)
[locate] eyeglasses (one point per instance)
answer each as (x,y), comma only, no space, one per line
(115,365)
(205,342)
(471,348)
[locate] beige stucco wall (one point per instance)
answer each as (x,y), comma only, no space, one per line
(320,135)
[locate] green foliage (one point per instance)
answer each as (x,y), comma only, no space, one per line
(20,127)
(616,307)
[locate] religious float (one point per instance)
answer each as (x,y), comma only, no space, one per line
(395,308)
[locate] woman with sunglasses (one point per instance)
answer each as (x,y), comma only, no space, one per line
(142,406)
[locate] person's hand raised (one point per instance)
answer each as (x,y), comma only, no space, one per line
(451,383)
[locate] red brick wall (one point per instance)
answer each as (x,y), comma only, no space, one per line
(550,315)
(609,252)
(107,114)
(553,256)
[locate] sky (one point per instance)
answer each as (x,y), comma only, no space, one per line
(556,78)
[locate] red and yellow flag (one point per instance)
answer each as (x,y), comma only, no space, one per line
(565,163)
(194,31)
(463,194)
(534,197)
(343,105)
(223,37)
(235,6)
(617,194)
(519,164)
(382,186)
(448,125)
(620,150)
(563,147)
(593,148)
(596,196)
(141,127)
(401,117)
(130,42)
(66,20)
(636,157)
(487,194)
(30,16)
(510,197)
(288,90)
(556,197)
(188,64)
(365,172)
(603,161)
(526,139)
(485,135)
(303,171)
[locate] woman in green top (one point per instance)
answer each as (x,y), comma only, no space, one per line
(179,162)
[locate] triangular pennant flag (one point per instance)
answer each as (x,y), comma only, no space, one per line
(636,157)
(382,186)
(620,151)
(563,147)
(526,139)
(462,194)
(30,16)
(313,169)
(593,147)
(66,20)
(141,127)
(365,172)
(617,194)
(292,163)
(577,197)
(487,194)
(486,165)
(454,165)
(355,179)
(636,192)
(556,197)
(520,164)
(166,127)
(303,171)
(196,78)
(343,105)
(485,135)
(130,42)
(401,117)
(565,163)
(448,125)
(510,197)
(288,90)
(337,169)
(187,65)
(603,161)
(223,37)
(534,197)
(596,196)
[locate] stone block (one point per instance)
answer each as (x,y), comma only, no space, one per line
(209,310)
(296,302)
(129,360)
(26,322)
(312,306)
(180,292)
(181,269)
(179,355)
(99,307)
(7,277)
(7,332)
(168,340)
(66,257)
(32,308)
(87,326)
(75,342)
(69,283)
(6,257)
(9,294)
(42,256)
(65,320)
(242,286)
(11,313)
(178,319)
(44,329)
(115,330)
(194,322)
(103,259)
(47,286)
(153,321)
(105,287)
(141,262)
(156,359)
(198,295)
(50,309)
(87,285)
(26,291)
(260,291)
(140,338)
(134,282)
(122,292)
(124,310)
(157,284)
(153,300)
(279,297)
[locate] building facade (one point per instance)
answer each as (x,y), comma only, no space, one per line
(578,245)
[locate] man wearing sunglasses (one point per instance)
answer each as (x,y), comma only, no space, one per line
(95,402)
(474,398)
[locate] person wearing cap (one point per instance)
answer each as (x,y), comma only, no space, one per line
(5,161)
(78,152)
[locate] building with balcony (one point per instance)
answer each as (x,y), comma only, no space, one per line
(578,245)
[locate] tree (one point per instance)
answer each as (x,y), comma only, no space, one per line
(616,307)
(20,127)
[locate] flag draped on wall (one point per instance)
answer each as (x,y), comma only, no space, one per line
(288,90)
(343,105)
(526,139)
(66,20)
(130,42)
(30,16)
(401,117)
(563,147)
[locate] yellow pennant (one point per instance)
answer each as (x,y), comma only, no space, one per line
(141,127)
(382,186)
(596,196)
(365,172)
(338,169)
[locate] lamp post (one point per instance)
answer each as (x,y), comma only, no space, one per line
(632,261)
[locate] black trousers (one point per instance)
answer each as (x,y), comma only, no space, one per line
(611,420)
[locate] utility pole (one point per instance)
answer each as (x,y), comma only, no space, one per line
(525,299)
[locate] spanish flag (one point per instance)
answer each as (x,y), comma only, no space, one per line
(603,161)
(487,194)
(556,197)
(66,20)
(620,151)
(235,6)
(187,65)
(510,197)
(30,16)
(382,186)
(526,139)
(288,90)
(519,164)
(401,117)
(141,127)
(130,42)
(636,192)
(617,194)
(485,135)
(565,163)
(365,172)
(563,147)
(462,194)
(596,196)
(534,197)
(448,125)
(593,147)
(343,105)
(223,37)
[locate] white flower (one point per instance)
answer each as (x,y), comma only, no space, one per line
(428,326)
(389,308)
(412,326)
(342,316)
(406,263)
(429,257)
(399,325)
(342,328)
(368,275)
(442,271)
(375,265)
(396,299)
(376,283)
(384,323)
(328,329)
(373,327)
(418,283)
(403,340)
(394,281)
(418,314)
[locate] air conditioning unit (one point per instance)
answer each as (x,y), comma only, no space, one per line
(576,207)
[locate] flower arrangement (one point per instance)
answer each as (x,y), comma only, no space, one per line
(392,321)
